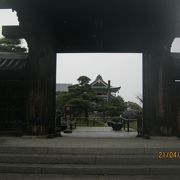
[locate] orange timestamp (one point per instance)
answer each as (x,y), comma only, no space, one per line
(168,154)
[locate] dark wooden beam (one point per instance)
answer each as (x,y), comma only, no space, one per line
(5,4)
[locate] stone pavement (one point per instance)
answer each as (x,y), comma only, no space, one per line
(95,137)
(100,132)
(154,142)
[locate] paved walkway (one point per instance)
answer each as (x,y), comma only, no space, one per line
(93,138)
(100,132)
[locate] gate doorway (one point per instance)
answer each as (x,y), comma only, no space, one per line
(123,70)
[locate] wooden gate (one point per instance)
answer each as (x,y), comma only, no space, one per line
(12,106)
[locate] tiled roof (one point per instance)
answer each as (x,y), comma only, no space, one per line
(99,80)
(12,61)
(99,83)
(175,55)
(176,61)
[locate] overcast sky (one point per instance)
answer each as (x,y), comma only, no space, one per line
(123,70)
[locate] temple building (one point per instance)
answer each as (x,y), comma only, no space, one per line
(103,89)
(62,87)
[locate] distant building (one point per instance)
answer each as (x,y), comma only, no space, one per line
(62,87)
(103,89)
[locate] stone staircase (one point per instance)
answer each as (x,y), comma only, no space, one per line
(87,161)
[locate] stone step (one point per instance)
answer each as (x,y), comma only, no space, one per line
(90,169)
(84,150)
(87,159)
(7,176)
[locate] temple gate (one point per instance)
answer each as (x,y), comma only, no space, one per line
(147,27)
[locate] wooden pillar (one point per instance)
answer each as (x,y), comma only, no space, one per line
(42,83)
(175,92)
(177,113)
(175,99)
(177,118)
(155,90)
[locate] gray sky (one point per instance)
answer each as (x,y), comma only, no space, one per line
(123,70)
